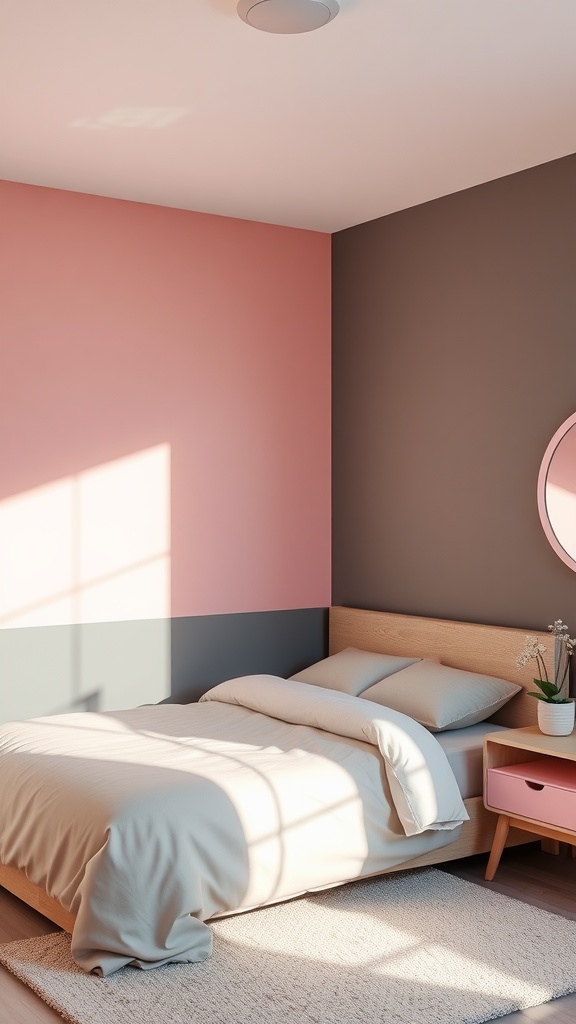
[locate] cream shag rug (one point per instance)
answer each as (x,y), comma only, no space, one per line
(422,947)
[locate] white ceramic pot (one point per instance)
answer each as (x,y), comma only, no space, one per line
(555,719)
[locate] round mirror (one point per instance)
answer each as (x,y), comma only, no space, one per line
(557,492)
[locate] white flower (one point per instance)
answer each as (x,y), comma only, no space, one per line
(534,649)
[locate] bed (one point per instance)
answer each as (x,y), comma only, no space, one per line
(358,790)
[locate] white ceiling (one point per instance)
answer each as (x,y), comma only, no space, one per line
(180,103)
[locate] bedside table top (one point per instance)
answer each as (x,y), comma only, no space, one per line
(531,738)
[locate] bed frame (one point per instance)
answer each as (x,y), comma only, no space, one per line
(492,650)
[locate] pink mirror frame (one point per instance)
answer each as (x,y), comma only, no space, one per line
(543,503)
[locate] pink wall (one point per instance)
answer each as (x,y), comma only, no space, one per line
(125,326)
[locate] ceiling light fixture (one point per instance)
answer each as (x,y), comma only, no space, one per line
(287,16)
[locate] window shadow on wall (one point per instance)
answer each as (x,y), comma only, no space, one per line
(85,589)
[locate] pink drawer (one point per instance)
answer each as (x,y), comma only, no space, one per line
(544,790)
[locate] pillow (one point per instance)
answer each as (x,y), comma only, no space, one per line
(352,671)
(440,697)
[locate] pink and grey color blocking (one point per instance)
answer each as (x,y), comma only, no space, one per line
(164,414)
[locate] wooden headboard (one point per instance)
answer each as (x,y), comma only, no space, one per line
(492,650)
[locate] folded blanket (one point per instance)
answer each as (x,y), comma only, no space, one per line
(424,790)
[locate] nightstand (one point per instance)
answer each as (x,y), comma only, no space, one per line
(530,783)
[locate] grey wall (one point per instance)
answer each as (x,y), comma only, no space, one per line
(207,649)
(48,670)
(454,362)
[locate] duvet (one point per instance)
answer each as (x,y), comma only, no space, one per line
(147,823)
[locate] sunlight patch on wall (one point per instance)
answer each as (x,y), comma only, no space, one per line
(85,590)
(132,117)
(94,547)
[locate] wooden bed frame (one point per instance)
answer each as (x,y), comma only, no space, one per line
(492,650)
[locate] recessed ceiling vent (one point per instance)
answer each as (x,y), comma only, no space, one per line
(288,16)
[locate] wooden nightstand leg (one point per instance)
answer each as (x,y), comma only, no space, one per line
(550,846)
(500,837)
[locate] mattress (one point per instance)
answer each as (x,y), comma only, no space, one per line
(463,748)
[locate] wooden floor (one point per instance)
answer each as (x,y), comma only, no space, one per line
(525,873)
(19,1005)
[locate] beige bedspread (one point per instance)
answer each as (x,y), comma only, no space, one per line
(148,822)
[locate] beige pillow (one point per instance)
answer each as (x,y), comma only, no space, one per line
(352,671)
(440,697)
